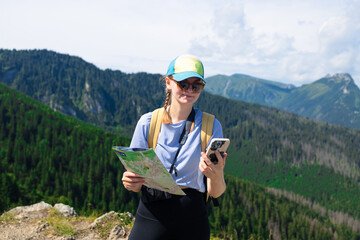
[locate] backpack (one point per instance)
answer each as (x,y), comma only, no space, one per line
(207,124)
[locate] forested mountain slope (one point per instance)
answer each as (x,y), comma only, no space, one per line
(110,99)
(48,156)
(248,89)
(272,147)
(334,98)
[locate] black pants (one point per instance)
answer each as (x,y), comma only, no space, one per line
(180,217)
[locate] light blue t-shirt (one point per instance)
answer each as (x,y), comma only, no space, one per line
(187,162)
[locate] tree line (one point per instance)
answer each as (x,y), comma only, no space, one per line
(52,157)
(277,149)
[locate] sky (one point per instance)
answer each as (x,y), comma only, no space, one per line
(289,41)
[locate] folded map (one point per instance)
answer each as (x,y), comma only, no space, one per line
(146,164)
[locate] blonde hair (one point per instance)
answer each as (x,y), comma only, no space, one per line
(166,118)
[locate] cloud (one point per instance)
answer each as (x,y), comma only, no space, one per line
(279,52)
(232,40)
(338,49)
(273,46)
(290,41)
(228,36)
(340,41)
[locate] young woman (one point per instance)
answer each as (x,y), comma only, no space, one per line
(172,216)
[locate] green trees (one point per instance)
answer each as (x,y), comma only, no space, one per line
(250,211)
(45,155)
(48,156)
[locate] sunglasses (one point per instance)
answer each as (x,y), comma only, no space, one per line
(185,85)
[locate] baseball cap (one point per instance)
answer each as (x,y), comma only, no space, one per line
(186,66)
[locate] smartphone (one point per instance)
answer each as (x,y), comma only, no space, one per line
(220,144)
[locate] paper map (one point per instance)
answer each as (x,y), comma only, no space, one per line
(145,163)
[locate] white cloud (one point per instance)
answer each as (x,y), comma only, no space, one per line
(285,41)
(228,38)
(340,42)
(232,40)
(290,41)
(274,46)
(342,60)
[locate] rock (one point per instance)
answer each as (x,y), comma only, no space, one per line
(42,227)
(39,222)
(118,232)
(31,238)
(103,218)
(37,210)
(67,238)
(130,216)
(65,210)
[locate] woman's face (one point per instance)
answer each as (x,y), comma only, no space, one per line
(181,95)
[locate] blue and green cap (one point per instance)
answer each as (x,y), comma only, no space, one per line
(186,66)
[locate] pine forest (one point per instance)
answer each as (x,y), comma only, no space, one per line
(287,177)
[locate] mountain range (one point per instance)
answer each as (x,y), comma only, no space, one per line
(334,98)
(48,156)
(275,148)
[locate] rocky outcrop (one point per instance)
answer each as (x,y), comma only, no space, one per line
(61,222)
(117,232)
(65,210)
(38,210)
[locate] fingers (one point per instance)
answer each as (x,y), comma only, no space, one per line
(130,174)
(220,158)
(205,158)
(224,158)
(210,169)
(206,166)
(132,181)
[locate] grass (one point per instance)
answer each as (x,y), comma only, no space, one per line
(62,226)
(108,223)
(7,218)
(59,224)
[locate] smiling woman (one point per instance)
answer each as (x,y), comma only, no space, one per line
(162,215)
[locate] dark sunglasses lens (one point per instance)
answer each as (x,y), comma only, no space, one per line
(196,87)
(184,85)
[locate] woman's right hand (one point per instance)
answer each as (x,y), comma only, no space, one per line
(132,181)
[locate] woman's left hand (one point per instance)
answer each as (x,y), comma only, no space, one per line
(215,173)
(212,170)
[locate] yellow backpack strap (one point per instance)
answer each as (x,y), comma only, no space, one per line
(207,124)
(155,125)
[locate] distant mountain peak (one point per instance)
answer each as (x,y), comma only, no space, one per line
(345,81)
(334,98)
(340,77)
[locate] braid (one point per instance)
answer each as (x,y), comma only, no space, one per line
(166,117)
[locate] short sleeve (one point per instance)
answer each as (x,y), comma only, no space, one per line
(141,133)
